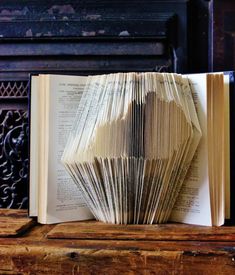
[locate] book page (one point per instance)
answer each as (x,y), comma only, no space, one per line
(193,204)
(64,199)
(227,147)
(34,139)
(132,145)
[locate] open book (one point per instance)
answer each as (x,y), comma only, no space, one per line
(203,198)
(53,103)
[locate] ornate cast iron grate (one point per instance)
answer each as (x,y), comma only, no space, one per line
(14,132)
(14,89)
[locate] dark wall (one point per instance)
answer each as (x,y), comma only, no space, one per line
(83,37)
(223,35)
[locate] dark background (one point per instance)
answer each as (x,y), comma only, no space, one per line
(90,37)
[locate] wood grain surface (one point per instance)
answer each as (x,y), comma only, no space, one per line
(14,222)
(35,253)
(167,232)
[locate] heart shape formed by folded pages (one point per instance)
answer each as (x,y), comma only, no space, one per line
(132,143)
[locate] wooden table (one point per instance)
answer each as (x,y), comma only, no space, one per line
(96,248)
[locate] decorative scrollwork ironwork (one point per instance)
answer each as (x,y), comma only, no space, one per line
(14,159)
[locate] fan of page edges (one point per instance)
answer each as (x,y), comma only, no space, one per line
(132,142)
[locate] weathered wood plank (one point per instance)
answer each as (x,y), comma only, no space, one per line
(16,213)
(33,253)
(98,230)
(117,47)
(87,18)
(33,259)
(37,236)
(14,222)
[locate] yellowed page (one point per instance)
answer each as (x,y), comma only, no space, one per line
(227,147)
(34,139)
(43,129)
(220,134)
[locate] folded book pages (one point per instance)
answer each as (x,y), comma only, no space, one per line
(132,142)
